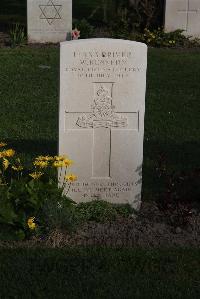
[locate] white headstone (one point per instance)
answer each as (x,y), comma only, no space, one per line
(183,14)
(49,20)
(102,104)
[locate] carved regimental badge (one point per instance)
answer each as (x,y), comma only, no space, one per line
(103,114)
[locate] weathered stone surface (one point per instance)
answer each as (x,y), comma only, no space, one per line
(102,103)
(49,20)
(183,14)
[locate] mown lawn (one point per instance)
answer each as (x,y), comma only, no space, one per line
(29,100)
(99,273)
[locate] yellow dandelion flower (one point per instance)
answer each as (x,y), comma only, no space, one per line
(68,162)
(5,163)
(41,164)
(70,177)
(58,164)
(9,153)
(39,158)
(36,175)
(2,144)
(17,168)
(60,158)
(31,223)
(48,158)
(44,158)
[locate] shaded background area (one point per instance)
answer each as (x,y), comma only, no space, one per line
(12,11)
(137,14)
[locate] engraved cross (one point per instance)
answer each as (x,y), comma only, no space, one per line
(103,120)
(188,12)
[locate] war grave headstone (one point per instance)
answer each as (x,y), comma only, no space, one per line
(183,14)
(102,105)
(49,20)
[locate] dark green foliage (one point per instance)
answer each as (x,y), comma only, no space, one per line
(145,13)
(25,198)
(159,38)
(13,7)
(137,14)
(57,213)
(17,35)
(86,30)
(99,273)
(119,29)
(177,192)
(98,12)
(102,211)
(11,12)
(9,233)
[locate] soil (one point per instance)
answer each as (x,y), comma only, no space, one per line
(149,229)
(5,42)
(4,39)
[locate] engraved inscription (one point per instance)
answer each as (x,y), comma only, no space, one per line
(102,65)
(102,190)
(50,12)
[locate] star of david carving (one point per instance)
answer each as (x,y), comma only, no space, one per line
(50,12)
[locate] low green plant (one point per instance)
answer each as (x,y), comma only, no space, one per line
(120,29)
(58,214)
(24,192)
(160,38)
(102,211)
(84,27)
(17,35)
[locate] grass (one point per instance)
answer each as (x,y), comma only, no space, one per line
(172,111)
(29,99)
(99,273)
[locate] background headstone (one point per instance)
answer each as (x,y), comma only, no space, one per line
(183,14)
(102,104)
(49,20)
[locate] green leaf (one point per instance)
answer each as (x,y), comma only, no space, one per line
(7,212)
